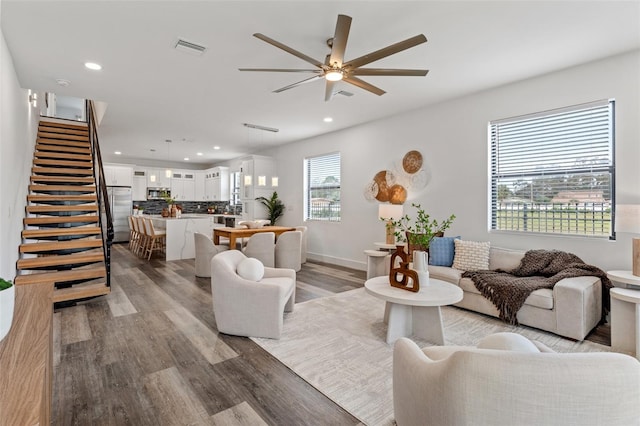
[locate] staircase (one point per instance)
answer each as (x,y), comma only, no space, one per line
(62,238)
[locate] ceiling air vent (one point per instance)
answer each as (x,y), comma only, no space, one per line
(189,47)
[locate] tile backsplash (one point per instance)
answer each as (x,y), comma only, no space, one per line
(156,206)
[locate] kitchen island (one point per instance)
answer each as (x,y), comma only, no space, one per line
(180,244)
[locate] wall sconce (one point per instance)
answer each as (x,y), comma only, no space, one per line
(390,212)
(628,220)
(247,180)
(262,181)
(33,99)
(168,173)
(152,178)
(274,181)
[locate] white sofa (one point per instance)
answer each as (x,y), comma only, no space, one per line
(513,385)
(571,309)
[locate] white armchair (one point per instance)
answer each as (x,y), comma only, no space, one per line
(245,307)
(516,386)
(261,246)
(205,250)
(288,248)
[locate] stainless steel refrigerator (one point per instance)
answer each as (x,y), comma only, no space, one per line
(121,206)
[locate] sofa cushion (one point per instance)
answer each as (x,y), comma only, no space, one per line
(471,255)
(444,273)
(250,269)
(441,251)
(541,298)
(504,259)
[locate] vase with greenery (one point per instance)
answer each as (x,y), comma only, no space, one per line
(419,232)
(7,300)
(275,207)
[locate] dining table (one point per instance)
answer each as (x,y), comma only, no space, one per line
(234,233)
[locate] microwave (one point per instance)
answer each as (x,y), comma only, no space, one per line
(158,193)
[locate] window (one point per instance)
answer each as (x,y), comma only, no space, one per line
(553,172)
(322,187)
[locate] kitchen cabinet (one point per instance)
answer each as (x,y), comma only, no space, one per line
(139,186)
(256,180)
(217,184)
(199,186)
(157,178)
(183,185)
(116,175)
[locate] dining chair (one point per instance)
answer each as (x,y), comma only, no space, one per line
(303,243)
(287,250)
(261,246)
(205,250)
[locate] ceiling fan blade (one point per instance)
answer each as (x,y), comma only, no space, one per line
(340,37)
(386,51)
(364,85)
(278,70)
(387,71)
(328,91)
(291,86)
(289,50)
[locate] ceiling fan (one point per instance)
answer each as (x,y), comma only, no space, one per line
(334,68)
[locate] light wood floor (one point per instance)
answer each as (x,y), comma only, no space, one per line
(149,354)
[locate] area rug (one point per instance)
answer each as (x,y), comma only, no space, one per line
(337,344)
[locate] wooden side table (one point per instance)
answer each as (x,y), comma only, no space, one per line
(625,321)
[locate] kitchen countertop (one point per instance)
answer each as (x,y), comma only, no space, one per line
(193,216)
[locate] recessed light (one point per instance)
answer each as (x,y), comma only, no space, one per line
(186,158)
(117,153)
(199,154)
(93,66)
(216,147)
(327,119)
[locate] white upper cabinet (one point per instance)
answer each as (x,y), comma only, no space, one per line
(116,175)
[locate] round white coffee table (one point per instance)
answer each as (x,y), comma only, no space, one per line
(408,313)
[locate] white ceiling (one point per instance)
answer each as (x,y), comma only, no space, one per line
(156,93)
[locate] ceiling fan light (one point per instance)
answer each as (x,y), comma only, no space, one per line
(334,75)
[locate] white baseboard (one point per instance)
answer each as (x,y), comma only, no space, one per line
(347,263)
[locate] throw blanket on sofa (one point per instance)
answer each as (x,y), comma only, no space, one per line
(537,269)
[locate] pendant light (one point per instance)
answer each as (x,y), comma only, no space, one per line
(168,171)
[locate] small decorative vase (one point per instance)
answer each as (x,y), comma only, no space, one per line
(7,301)
(173,210)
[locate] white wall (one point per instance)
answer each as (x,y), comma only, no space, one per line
(18,123)
(452,138)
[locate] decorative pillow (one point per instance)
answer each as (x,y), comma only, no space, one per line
(471,255)
(250,269)
(441,251)
(508,342)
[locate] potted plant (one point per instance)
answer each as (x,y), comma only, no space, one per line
(7,300)
(419,232)
(275,207)
(140,210)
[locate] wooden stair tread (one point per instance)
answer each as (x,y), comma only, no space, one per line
(62,136)
(63,155)
(85,208)
(60,163)
(80,291)
(62,276)
(55,197)
(60,219)
(59,148)
(63,130)
(62,142)
(60,245)
(45,122)
(64,179)
(60,260)
(70,188)
(60,232)
(61,171)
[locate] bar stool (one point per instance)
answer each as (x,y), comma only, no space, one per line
(157,239)
(143,238)
(134,235)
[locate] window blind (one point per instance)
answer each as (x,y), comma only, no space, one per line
(323,187)
(563,156)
